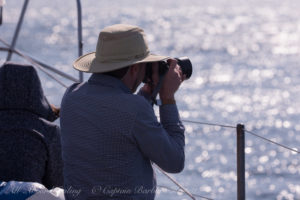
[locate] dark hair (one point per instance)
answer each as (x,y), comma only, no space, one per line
(119,73)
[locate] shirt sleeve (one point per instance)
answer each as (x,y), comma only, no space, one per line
(163,143)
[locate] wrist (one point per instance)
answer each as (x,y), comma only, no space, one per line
(166,101)
(166,96)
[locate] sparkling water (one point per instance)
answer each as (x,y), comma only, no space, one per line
(246,57)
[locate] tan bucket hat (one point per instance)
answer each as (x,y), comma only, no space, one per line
(118,46)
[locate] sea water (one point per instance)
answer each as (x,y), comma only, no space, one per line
(246,58)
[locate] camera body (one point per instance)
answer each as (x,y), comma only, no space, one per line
(163,67)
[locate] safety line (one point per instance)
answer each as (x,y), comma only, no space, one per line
(179,190)
(254,134)
(209,124)
(175,182)
(276,143)
(35,64)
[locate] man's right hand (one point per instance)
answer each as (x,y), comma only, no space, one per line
(172,81)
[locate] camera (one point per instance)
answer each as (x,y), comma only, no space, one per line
(184,63)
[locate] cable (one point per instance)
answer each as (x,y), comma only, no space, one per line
(175,182)
(41,68)
(179,190)
(254,134)
(276,143)
(35,64)
(209,124)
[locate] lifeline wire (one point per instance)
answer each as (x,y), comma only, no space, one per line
(179,190)
(276,143)
(175,182)
(254,134)
(209,124)
(35,64)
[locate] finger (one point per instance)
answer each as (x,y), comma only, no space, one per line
(179,70)
(172,63)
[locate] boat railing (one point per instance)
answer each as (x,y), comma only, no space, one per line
(50,71)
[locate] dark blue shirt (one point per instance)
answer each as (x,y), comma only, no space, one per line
(110,137)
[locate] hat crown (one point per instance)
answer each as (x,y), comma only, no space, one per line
(121,42)
(118,46)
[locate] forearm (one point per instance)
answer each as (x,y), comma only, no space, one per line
(170,121)
(169,118)
(161,143)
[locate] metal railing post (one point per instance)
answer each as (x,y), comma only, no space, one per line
(241,190)
(16,34)
(1,11)
(79,30)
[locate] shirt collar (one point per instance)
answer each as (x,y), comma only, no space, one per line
(108,81)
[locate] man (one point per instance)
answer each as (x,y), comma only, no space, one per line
(110,136)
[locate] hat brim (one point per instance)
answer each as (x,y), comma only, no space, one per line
(88,63)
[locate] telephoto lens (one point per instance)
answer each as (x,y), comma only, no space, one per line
(185,66)
(184,63)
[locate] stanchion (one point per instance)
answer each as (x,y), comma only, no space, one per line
(240,130)
(79,31)
(16,34)
(1,11)
(2,2)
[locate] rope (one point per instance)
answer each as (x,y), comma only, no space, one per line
(271,141)
(254,134)
(176,183)
(35,64)
(209,124)
(179,190)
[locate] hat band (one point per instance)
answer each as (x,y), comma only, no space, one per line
(114,59)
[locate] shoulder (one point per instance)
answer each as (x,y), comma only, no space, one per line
(72,89)
(71,95)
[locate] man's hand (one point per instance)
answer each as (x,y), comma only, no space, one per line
(172,81)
